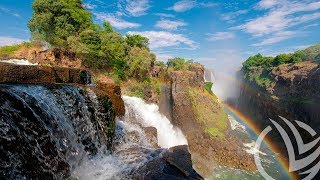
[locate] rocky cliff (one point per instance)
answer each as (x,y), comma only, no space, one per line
(294,93)
(203,121)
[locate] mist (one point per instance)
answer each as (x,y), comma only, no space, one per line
(225,68)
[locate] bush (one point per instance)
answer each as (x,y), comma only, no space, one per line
(179,63)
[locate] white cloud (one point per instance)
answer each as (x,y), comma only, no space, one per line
(4,41)
(89,6)
(220,36)
(10,12)
(116,21)
(163,56)
(277,37)
(137,7)
(230,16)
(265,4)
(170,25)
(164,15)
(280,18)
(160,39)
(186,5)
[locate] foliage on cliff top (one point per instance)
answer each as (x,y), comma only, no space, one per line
(256,68)
(67,24)
(209,113)
(137,89)
(309,54)
(180,64)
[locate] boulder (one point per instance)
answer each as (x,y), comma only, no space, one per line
(174,163)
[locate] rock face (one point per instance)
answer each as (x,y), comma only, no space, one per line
(174,163)
(205,125)
(294,93)
(107,85)
(11,73)
(50,57)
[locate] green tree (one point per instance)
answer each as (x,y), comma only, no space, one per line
(139,62)
(113,47)
(282,59)
(178,63)
(136,40)
(56,20)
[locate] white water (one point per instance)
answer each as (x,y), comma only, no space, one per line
(149,115)
(235,125)
(131,147)
(18,62)
(131,150)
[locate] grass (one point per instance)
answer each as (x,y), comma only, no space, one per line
(8,50)
(209,113)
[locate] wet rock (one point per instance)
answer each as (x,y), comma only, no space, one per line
(151,135)
(174,163)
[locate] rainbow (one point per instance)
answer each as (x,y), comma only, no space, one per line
(268,142)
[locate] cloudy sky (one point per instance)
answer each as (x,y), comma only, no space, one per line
(217,33)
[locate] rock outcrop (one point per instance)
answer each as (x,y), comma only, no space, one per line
(11,73)
(49,57)
(205,124)
(174,163)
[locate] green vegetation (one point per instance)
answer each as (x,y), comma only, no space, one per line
(209,113)
(55,21)
(179,63)
(208,87)
(66,24)
(313,53)
(8,50)
(137,89)
(256,68)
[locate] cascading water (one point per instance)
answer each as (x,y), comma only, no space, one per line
(131,147)
(149,115)
(57,132)
(46,131)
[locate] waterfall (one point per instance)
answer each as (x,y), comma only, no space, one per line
(149,115)
(131,148)
(55,132)
(47,130)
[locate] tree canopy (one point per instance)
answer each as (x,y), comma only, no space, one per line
(56,20)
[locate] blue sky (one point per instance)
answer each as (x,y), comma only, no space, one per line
(219,34)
